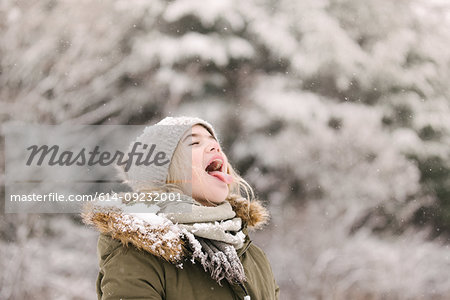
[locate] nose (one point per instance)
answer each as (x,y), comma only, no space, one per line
(213,146)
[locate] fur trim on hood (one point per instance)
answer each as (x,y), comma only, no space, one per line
(158,235)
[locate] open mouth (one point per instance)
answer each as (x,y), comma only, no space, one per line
(215,169)
(215,165)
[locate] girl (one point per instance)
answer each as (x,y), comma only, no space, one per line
(182,232)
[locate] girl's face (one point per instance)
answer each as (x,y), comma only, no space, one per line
(209,166)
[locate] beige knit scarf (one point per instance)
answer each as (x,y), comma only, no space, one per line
(215,235)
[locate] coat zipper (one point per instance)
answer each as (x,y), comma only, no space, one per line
(247,296)
(243,251)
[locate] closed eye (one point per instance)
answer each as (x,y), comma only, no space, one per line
(196,143)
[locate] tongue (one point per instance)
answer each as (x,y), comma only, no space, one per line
(222,176)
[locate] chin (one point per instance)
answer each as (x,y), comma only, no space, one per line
(209,189)
(216,197)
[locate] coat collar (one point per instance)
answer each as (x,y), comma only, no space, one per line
(163,238)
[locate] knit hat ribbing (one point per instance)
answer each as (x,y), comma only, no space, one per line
(165,135)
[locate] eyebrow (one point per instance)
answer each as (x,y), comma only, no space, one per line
(198,135)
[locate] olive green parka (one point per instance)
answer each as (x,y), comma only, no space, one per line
(141,263)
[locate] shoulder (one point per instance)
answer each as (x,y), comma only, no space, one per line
(258,255)
(257,267)
(126,271)
(113,254)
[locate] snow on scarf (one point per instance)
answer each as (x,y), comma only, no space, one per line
(216,229)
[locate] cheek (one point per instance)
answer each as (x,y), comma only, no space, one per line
(197,161)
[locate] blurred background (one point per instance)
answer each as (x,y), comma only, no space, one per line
(337,112)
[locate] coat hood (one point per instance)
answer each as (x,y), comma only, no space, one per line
(157,234)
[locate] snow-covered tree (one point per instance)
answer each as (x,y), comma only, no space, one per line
(337,111)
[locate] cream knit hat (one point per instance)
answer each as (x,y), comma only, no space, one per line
(165,135)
